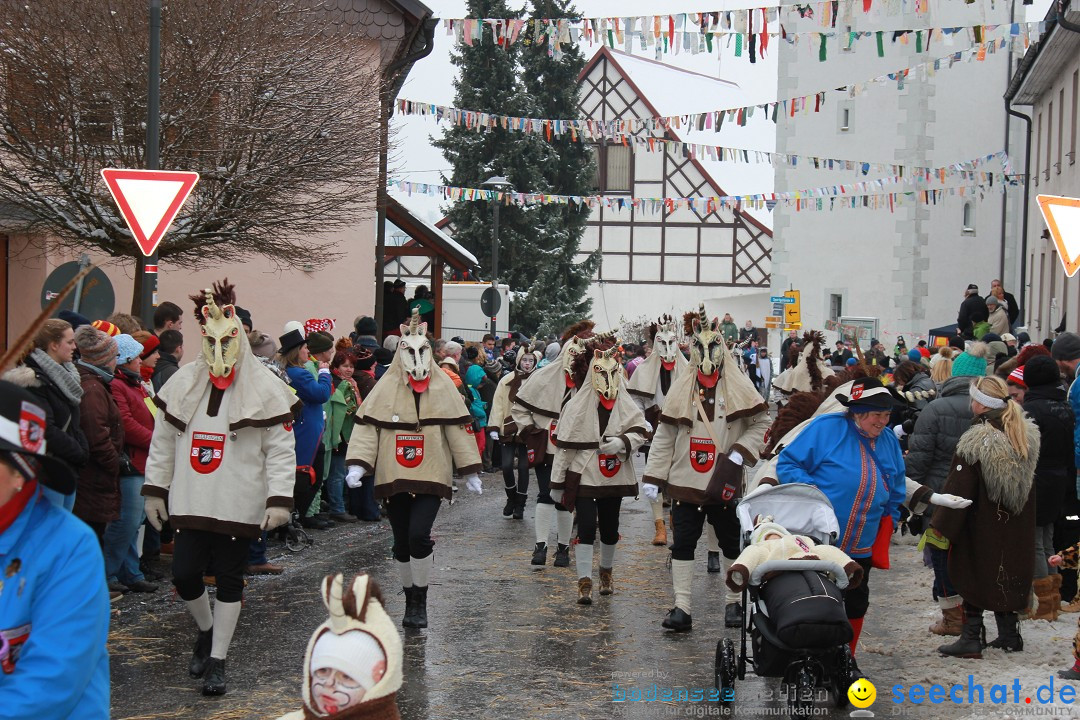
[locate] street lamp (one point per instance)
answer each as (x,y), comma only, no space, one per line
(497,183)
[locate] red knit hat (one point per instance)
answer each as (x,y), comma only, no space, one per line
(149,342)
(1016,377)
(106,327)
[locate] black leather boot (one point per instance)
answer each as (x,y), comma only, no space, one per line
(519,506)
(540,554)
(511,499)
(1008,627)
(409,620)
(214,681)
(562,556)
(201,653)
(420,607)
(972,638)
(714,565)
(678,620)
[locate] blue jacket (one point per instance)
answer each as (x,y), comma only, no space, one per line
(58,591)
(314,394)
(1074,403)
(473,377)
(830,455)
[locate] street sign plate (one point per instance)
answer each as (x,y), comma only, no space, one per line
(490,302)
(149,200)
(781,299)
(1062,216)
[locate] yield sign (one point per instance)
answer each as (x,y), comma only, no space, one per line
(1062,216)
(149,200)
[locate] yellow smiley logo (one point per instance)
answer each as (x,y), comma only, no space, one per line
(862,693)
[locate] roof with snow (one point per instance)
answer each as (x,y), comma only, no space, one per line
(424,233)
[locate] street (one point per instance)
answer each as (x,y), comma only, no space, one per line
(508,641)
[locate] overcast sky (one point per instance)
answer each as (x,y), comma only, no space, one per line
(432,80)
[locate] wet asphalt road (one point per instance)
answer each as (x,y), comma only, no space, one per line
(505,640)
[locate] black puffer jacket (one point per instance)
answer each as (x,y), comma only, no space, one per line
(64,437)
(1049,408)
(937,431)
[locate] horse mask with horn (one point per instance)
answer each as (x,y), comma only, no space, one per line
(573,370)
(415,351)
(606,375)
(707,348)
(666,341)
(220,327)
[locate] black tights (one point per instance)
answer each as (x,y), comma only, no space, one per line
(196,552)
(411,518)
(509,452)
(602,512)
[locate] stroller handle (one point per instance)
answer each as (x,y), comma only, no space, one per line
(836,570)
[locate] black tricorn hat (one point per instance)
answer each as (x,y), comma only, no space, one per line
(869,393)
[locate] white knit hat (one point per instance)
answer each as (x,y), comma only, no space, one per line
(354,652)
(766,527)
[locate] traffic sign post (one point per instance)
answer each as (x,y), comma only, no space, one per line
(1062,216)
(149,201)
(792,308)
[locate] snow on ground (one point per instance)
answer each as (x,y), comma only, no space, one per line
(897,648)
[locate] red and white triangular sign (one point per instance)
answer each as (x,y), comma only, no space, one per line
(149,200)
(1062,216)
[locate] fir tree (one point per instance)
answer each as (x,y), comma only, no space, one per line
(537,245)
(556,297)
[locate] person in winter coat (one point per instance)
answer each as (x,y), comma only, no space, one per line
(551,354)
(931,447)
(748,332)
(49,374)
(170,350)
(973,311)
(98,499)
(313,393)
(502,429)
(149,356)
(996,316)
(365,332)
(340,411)
(54,614)
(474,378)
(1046,404)
(914,383)
(992,540)
(729,330)
(121,535)
(860,469)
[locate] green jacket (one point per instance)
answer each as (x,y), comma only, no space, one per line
(340,412)
(730,331)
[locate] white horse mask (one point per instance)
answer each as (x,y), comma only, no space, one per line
(415,351)
(666,341)
(707,348)
(606,375)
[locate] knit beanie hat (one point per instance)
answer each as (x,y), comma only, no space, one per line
(245,317)
(149,342)
(1041,370)
(360,640)
(320,341)
(95,347)
(914,355)
(767,527)
(106,327)
(366,325)
(971,363)
(75,319)
(1016,377)
(128,348)
(1066,346)
(956,342)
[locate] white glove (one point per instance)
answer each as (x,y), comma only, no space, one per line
(473,484)
(735,456)
(898,431)
(648,426)
(156,512)
(650,491)
(612,446)
(494,435)
(354,476)
(275,517)
(949,501)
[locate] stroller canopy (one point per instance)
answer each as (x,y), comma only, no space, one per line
(801,508)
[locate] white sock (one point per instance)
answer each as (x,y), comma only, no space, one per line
(682,575)
(565,520)
(545,513)
(200,610)
(658,507)
(225,616)
(607,555)
(421,568)
(404,570)
(583,555)
(710,534)
(948,603)
(729,597)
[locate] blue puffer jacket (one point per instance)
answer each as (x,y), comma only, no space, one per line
(54,586)
(314,394)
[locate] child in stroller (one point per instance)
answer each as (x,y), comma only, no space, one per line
(791,579)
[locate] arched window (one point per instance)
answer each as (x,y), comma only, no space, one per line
(968,226)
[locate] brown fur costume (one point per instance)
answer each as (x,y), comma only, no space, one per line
(583,329)
(224,294)
(580,366)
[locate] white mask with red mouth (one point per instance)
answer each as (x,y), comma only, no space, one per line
(707,348)
(414,349)
(666,342)
(606,375)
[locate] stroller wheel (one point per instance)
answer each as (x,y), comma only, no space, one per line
(801,694)
(725,669)
(843,678)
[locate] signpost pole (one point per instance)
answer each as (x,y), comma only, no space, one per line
(494,264)
(147,267)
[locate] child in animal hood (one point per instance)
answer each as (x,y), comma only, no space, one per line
(410,432)
(539,405)
(771,542)
(502,428)
(713,414)
(600,429)
(222,465)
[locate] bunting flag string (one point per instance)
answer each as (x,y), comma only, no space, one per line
(865,194)
(705,32)
(626,129)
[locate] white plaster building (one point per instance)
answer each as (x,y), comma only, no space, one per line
(908,268)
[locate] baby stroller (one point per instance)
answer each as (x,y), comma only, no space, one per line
(805,640)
